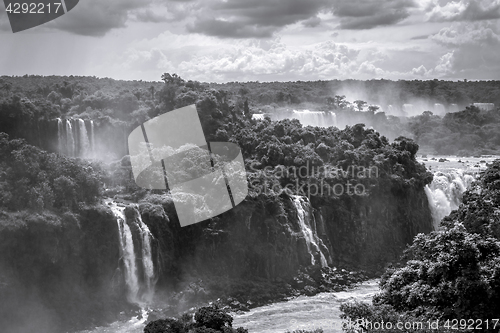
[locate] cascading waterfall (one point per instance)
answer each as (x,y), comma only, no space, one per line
(312,240)
(445,193)
(140,290)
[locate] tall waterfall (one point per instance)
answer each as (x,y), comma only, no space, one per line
(70,139)
(84,142)
(140,288)
(313,242)
(445,193)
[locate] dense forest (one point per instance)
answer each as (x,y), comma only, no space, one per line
(28,103)
(58,243)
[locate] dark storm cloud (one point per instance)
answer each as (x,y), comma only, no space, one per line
(312,22)
(420,37)
(226,29)
(149,16)
(96,18)
(363,14)
(255,18)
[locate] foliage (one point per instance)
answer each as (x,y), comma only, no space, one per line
(34,179)
(468,132)
(208,319)
(453,273)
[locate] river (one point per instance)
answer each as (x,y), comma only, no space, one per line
(303,312)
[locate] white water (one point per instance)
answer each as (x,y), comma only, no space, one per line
(311,238)
(451,179)
(304,313)
(445,193)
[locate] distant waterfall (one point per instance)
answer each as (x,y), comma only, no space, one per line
(311,238)
(445,193)
(84,143)
(92,138)
(60,135)
(140,289)
(74,139)
(315,118)
(70,139)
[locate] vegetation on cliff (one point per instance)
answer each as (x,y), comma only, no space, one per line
(451,274)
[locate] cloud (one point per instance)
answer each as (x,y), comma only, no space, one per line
(312,22)
(362,14)
(250,18)
(149,15)
(225,29)
(203,58)
(420,37)
(96,18)
(463,10)
(473,50)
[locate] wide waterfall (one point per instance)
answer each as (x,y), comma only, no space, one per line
(445,193)
(140,287)
(315,118)
(313,242)
(73,137)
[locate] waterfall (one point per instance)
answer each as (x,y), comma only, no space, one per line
(140,290)
(84,143)
(315,118)
(70,139)
(445,193)
(312,240)
(147,258)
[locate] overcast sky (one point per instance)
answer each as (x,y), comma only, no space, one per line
(262,40)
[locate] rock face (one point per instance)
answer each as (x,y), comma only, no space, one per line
(272,239)
(71,269)
(59,272)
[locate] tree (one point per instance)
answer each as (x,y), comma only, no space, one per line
(359,104)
